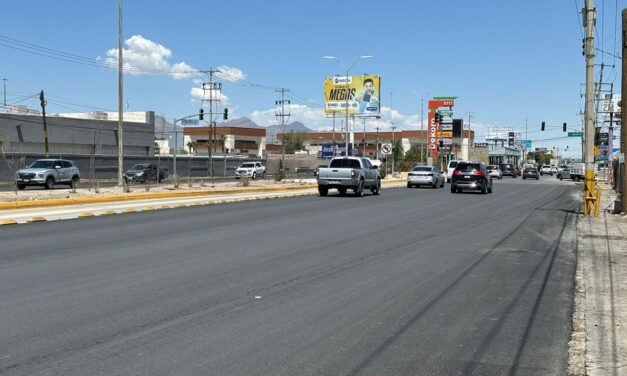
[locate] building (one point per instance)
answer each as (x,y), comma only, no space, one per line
(226,140)
(77,133)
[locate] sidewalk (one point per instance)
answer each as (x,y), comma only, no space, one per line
(599,341)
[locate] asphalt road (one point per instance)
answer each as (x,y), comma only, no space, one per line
(413,282)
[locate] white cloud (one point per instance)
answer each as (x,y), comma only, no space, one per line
(230,73)
(143,56)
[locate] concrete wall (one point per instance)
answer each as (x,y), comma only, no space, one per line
(24,134)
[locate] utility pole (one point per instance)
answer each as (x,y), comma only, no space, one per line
(120,99)
(334,153)
(213,87)
(43,111)
(422,121)
(363,153)
(282,116)
(4,81)
(377,128)
(591,199)
(623,119)
(393,148)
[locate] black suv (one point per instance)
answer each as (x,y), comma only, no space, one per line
(143,173)
(509,169)
(469,175)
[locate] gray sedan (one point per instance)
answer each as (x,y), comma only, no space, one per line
(425,175)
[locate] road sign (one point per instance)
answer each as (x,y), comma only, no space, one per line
(445,112)
(386,149)
(445,134)
(575,134)
(446,141)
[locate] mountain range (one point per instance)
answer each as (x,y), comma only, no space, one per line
(271,131)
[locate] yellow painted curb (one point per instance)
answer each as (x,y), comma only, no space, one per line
(164,207)
(5,222)
(108,212)
(180,205)
(196,204)
(36,219)
(86,214)
(148,208)
(129,210)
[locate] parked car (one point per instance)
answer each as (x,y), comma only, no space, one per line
(144,173)
(346,173)
(546,170)
(250,170)
(531,173)
(495,172)
(425,175)
(508,169)
(48,172)
(469,175)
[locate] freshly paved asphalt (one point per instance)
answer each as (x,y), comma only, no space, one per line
(413,282)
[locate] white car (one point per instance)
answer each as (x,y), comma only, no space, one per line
(495,172)
(250,170)
(546,170)
(450,168)
(425,175)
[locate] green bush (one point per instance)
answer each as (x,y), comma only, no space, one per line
(278,176)
(244,182)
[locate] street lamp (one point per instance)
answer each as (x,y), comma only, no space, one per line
(422,138)
(347,69)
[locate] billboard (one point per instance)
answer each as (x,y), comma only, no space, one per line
(362,93)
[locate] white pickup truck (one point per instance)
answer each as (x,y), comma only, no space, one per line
(251,170)
(346,173)
(574,171)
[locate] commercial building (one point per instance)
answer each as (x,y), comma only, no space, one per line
(226,140)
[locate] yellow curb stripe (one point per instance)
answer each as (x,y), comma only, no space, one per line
(164,207)
(36,219)
(129,210)
(148,208)
(108,212)
(5,222)
(86,214)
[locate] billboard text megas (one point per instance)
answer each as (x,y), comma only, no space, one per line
(361,93)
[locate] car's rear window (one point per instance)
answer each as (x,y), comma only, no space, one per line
(452,164)
(506,166)
(345,163)
(421,169)
(465,167)
(492,167)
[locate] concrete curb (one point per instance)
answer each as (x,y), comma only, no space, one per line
(577,343)
(157,195)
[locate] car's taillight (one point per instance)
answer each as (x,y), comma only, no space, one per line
(353,173)
(478,173)
(316,172)
(457,172)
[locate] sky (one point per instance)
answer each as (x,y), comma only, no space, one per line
(510,63)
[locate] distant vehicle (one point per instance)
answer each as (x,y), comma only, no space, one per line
(546,170)
(450,168)
(48,172)
(508,169)
(250,170)
(474,176)
(425,175)
(495,172)
(554,169)
(574,171)
(346,173)
(531,173)
(144,173)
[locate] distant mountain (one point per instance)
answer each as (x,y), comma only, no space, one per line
(296,126)
(242,122)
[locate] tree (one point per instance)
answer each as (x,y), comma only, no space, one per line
(294,141)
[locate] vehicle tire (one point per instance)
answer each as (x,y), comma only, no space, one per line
(434,185)
(515,176)
(254,175)
(561,178)
(49,184)
(484,190)
(263,175)
(359,191)
(453,189)
(21,186)
(490,188)
(538,178)
(524,178)
(408,185)
(74,183)
(442,185)
(342,191)
(323,191)
(500,177)
(377,189)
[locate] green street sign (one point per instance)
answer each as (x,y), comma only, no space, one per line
(445,112)
(575,134)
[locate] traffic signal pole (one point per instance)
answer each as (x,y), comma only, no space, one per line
(591,197)
(623,128)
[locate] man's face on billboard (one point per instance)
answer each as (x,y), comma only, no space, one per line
(369,87)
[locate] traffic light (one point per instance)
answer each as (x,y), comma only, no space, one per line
(201,114)
(563,127)
(226,114)
(543,125)
(441,143)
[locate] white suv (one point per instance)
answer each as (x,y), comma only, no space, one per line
(250,170)
(546,170)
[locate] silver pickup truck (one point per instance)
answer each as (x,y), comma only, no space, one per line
(48,172)
(346,173)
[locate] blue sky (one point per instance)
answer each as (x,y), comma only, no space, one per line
(506,61)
